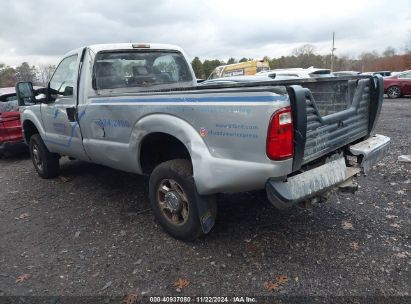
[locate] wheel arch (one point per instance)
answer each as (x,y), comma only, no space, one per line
(159,147)
(31,122)
(29,129)
(179,133)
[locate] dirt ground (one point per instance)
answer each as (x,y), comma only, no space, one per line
(90,232)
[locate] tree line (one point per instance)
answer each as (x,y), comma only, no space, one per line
(38,75)
(306,56)
(301,57)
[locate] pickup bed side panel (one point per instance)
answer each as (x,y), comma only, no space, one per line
(212,174)
(225,134)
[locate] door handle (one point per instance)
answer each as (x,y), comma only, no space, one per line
(71,114)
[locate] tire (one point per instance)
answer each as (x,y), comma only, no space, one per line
(46,163)
(394,92)
(174,198)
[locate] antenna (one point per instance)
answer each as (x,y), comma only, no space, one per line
(332,53)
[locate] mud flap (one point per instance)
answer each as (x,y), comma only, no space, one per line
(206,207)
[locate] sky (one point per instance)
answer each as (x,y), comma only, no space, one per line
(42,31)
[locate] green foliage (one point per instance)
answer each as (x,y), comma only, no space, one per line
(231,61)
(210,65)
(7,76)
(25,72)
(198,68)
(243,59)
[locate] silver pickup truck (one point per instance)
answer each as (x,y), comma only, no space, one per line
(137,108)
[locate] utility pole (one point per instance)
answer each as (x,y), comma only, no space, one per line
(332,54)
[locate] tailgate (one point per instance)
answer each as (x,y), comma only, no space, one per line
(331,114)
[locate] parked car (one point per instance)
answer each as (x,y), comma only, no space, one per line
(382,73)
(11,137)
(138,108)
(398,85)
(346,73)
(310,72)
(270,75)
(245,79)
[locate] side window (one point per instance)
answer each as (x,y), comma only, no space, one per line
(172,68)
(62,82)
(167,66)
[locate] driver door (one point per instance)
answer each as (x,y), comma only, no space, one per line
(63,134)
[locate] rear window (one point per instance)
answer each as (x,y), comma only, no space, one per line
(139,69)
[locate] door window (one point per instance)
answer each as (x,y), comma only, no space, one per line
(62,82)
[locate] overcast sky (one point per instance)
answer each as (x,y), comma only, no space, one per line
(41,31)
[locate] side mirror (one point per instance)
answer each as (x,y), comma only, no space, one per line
(68,91)
(25,94)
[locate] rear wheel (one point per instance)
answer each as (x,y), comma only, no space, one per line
(46,163)
(394,92)
(174,199)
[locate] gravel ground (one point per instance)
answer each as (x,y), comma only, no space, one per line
(90,232)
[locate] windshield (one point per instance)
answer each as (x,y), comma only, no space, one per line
(128,69)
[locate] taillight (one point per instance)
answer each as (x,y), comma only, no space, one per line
(280,135)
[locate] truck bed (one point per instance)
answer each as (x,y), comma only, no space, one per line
(329,113)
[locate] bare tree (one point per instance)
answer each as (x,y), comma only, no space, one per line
(305,56)
(366,60)
(45,71)
(304,50)
(25,72)
(389,52)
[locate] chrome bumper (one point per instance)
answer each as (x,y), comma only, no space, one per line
(373,150)
(308,184)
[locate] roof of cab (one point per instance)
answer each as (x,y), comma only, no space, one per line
(127,46)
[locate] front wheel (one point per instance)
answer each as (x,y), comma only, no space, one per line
(46,163)
(174,199)
(394,92)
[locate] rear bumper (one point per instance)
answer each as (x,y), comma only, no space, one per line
(372,150)
(311,183)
